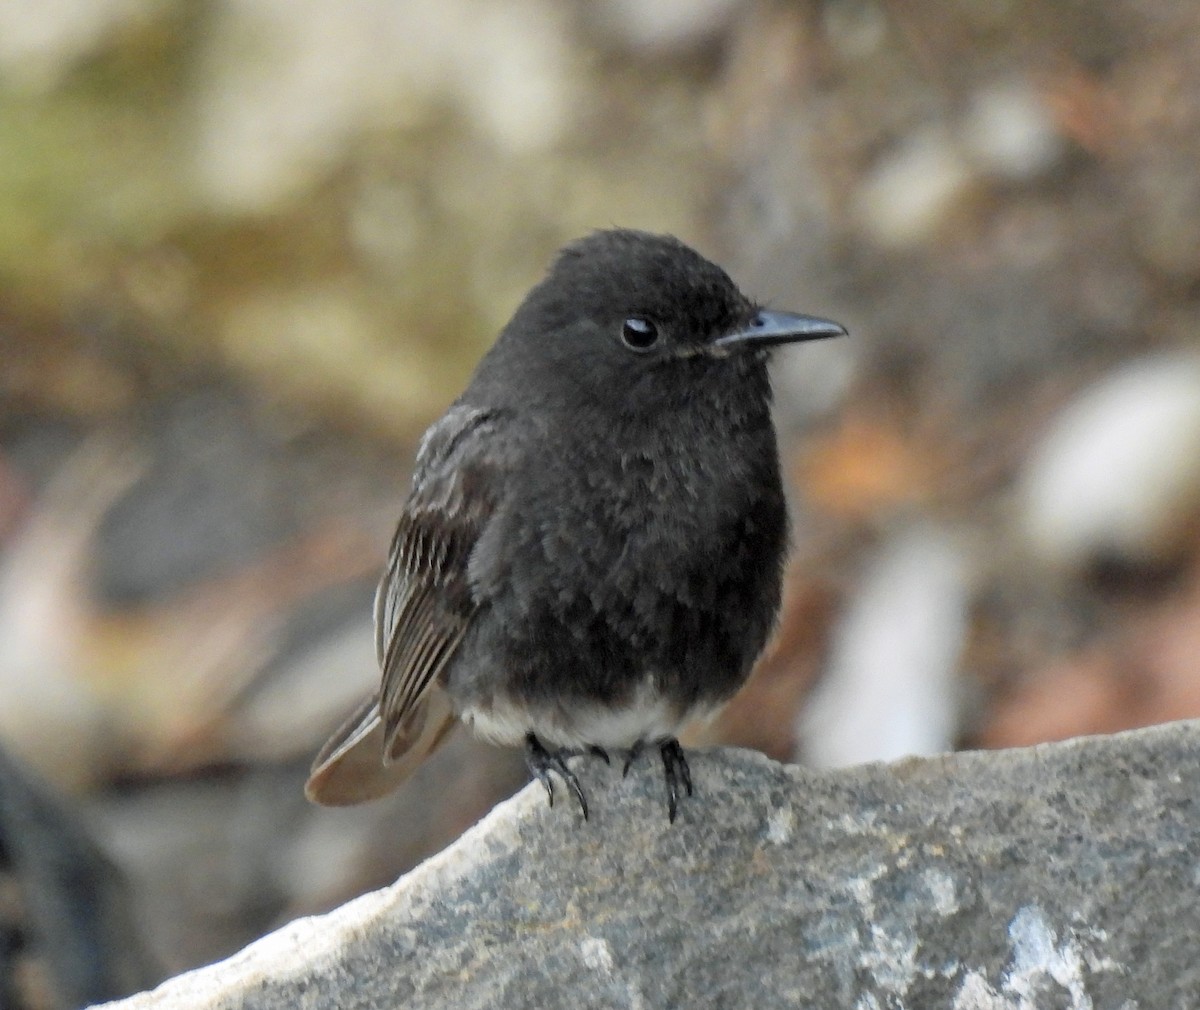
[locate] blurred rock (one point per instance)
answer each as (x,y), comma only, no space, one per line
(1144,668)
(313,338)
(289,85)
(664,27)
(1117,474)
(1011,133)
(219,859)
(1167,233)
(68,935)
(1062,875)
(53,717)
(856,31)
(889,688)
(206,857)
(175,661)
(913,189)
(40,43)
(231,161)
(306,694)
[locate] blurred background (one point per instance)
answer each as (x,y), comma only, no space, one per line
(249,249)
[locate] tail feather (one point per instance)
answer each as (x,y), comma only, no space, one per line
(352,767)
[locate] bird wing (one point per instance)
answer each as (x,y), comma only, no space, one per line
(423,608)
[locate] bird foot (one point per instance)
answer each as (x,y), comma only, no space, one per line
(542,762)
(675,770)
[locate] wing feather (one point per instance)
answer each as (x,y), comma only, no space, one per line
(426,600)
(423,607)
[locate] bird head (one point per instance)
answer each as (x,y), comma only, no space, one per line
(620,304)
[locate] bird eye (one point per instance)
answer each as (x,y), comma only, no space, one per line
(639,334)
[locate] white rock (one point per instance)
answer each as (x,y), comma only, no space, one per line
(53,716)
(665,25)
(912,190)
(1119,468)
(40,41)
(1011,134)
(890,688)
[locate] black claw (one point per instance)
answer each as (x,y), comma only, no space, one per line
(542,762)
(600,752)
(632,756)
(676,770)
(538,761)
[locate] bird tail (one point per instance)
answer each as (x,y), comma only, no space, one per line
(351,767)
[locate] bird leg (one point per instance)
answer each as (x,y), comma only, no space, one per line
(542,762)
(675,768)
(633,754)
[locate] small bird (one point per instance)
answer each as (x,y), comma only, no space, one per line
(592,550)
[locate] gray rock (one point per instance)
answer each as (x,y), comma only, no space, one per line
(1065,875)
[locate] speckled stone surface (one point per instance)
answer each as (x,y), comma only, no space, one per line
(1064,876)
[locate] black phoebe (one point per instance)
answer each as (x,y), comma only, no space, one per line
(592,550)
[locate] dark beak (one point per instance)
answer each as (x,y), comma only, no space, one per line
(769,328)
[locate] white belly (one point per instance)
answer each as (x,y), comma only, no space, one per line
(648,718)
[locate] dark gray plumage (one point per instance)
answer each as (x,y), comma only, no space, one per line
(592,550)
